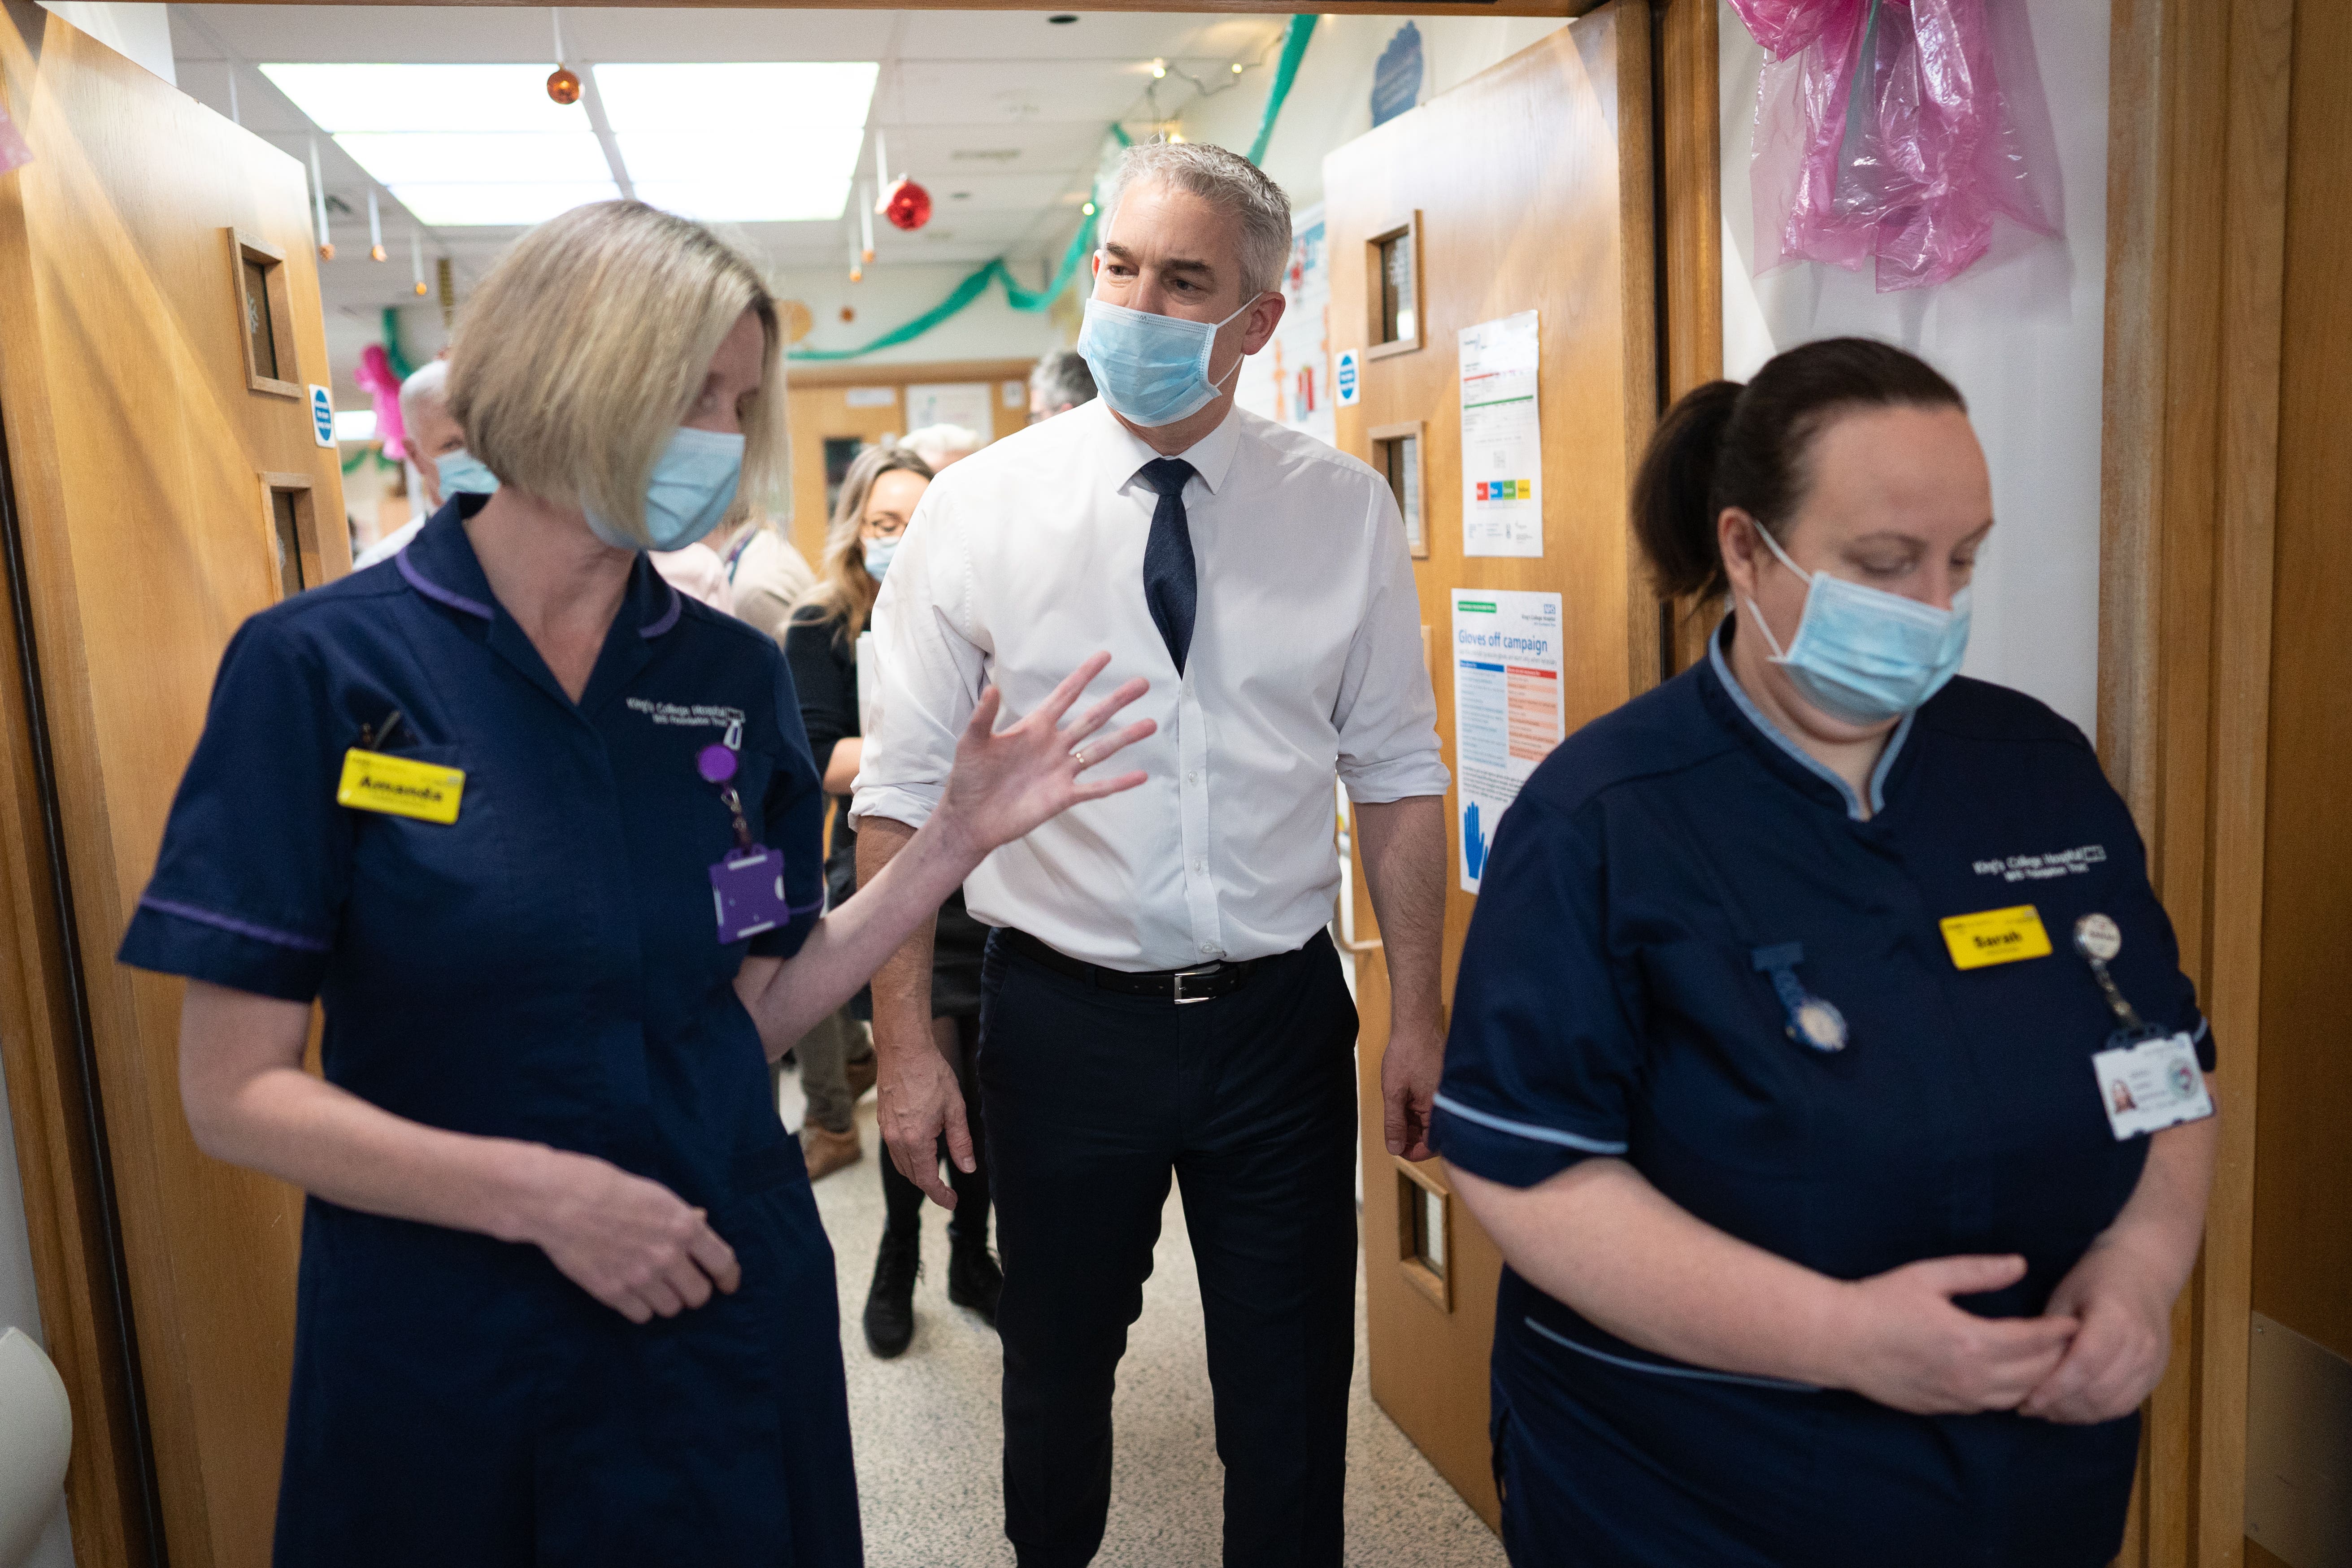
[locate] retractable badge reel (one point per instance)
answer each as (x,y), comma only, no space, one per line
(2148,1079)
(1814,1021)
(748,884)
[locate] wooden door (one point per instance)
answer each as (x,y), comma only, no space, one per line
(1528,189)
(2298,1436)
(164,483)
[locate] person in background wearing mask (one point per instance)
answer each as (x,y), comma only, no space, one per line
(877,499)
(432,436)
(541,835)
(1160,997)
(1059,383)
(941,444)
(1782,1093)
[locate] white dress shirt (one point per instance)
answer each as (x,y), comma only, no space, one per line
(1026,558)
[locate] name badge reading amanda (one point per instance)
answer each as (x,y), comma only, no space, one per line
(1995,936)
(400,786)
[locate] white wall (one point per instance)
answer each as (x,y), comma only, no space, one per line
(1330,100)
(988,328)
(19,1307)
(2021,334)
(140,32)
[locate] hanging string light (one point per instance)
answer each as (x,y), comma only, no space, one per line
(417,263)
(375,228)
(563,83)
(865,223)
(318,196)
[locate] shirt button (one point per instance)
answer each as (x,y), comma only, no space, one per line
(1192,778)
(1201,866)
(1209,949)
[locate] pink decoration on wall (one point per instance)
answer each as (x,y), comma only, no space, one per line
(375,379)
(1911,176)
(13,153)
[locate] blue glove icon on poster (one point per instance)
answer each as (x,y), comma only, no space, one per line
(1476,841)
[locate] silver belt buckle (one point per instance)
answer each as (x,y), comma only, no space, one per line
(1182,975)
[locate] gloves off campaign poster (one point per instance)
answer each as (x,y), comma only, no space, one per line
(1509,710)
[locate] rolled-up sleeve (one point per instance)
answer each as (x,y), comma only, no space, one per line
(932,671)
(1387,713)
(250,884)
(1545,1049)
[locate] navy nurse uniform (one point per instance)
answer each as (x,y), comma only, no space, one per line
(1610,1002)
(547,968)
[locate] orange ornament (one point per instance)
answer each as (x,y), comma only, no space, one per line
(326,251)
(564,85)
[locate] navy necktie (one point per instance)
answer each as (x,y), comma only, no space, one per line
(1169,585)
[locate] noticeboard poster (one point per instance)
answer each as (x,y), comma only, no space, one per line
(1509,710)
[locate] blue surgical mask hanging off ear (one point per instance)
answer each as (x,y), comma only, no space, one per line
(1153,370)
(1862,653)
(461,471)
(693,485)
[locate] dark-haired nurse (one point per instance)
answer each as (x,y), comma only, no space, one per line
(1785,1041)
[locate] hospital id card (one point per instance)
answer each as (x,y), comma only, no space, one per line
(400,786)
(2151,1086)
(748,888)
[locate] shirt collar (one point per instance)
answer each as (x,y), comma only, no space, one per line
(1764,727)
(1211,456)
(440,564)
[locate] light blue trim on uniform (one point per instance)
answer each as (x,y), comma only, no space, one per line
(1699,1372)
(1803,758)
(231,923)
(1530,1130)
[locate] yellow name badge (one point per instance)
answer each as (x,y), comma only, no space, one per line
(1996,936)
(400,786)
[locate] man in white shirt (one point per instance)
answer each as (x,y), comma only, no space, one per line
(1161,996)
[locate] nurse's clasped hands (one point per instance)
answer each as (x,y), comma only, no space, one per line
(1900,1339)
(631,1243)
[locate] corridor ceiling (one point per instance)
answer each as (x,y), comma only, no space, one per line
(1001,115)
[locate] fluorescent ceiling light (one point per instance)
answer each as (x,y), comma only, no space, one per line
(736,99)
(457,205)
(425,96)
(412,157)
(799,201)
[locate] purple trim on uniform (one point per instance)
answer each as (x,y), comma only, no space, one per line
(436,593)
(668,620)
(231,923)
(796,911)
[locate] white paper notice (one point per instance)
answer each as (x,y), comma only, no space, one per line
(1508,712)
(1502,439)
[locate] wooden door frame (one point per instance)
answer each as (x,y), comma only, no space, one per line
(2196,259)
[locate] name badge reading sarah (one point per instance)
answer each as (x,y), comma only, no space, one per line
(1995,936)
(400,786)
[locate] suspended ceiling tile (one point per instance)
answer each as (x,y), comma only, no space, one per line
(1120,35)
(945,93)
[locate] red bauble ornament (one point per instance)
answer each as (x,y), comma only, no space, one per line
(907,205)
(564,86)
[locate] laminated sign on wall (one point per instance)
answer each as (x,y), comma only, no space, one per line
(1509,710)
(1502,439)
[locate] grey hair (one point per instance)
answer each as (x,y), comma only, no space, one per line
(429,382)
(1063,379)
(1230,181)
(936,444)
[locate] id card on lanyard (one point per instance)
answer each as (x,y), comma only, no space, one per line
(2149,1079)
(747,884)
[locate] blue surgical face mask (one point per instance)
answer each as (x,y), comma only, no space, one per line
(1864,654)
(877,555)
(460,470)
(692,486)
(1152,370)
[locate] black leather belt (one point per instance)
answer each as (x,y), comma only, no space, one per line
(1205,984)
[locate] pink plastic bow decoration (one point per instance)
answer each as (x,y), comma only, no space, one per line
(1913,176)
(375,378)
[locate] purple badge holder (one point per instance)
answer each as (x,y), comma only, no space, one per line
(747,885)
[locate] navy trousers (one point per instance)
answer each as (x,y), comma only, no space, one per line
(1094,1099)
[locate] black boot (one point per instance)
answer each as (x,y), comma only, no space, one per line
(890,1304)
(973,1278)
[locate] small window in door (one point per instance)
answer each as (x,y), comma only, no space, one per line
(1425,1233)
(1392,260)
(1397,453)
(293,534)
(264,316)
(840,451)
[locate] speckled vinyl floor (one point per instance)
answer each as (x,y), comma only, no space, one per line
(927,1434)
